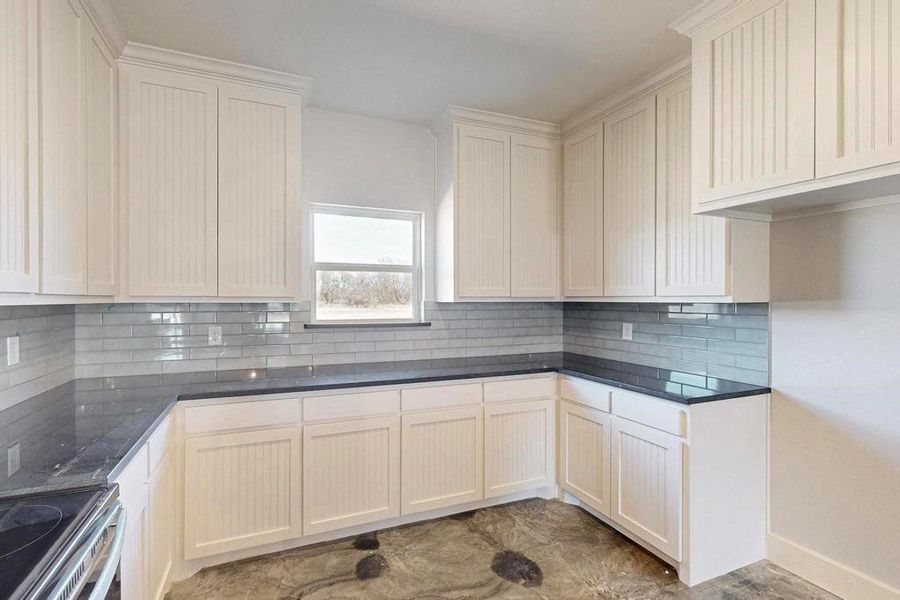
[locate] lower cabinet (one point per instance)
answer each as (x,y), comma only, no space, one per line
(518,446)
(647,484)
(134,496)
(351,473)
(161,513)
(442,459)
(241,490)
(584,461)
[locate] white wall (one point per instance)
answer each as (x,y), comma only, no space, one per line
(360,161)
(835,422)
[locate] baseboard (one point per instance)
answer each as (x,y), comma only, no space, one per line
(837,578)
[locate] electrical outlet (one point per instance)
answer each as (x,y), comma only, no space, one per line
(214,335)
(12,350)
(12,460)
(627,330)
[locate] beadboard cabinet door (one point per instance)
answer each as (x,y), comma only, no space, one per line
(584,460)
(518,440)
(754,105)
(351,473)
(100,138)
(171,143)
(629,199)
(259,192)
(241,490)
(62,33)
(482,212)
(857,84)
(442,459)
(647,484)
(691,251)
(534,216)
(162,514)
(583,213)
(19,232)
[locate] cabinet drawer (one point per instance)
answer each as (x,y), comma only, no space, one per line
(518,389)
(159,442)
(241,415)
(584,392)
(349,406)
(649,411)
(443,396)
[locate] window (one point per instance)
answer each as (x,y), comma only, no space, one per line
(367,265)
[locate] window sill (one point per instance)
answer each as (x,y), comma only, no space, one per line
(365,325)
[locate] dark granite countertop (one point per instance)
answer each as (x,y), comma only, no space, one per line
(83,432)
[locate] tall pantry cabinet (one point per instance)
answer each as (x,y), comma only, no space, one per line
(58,169)
(498,218)
(213,156)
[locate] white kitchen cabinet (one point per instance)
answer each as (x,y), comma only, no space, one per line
(351,473)
(101,89)
(171,143)
(134,496)
(647,484)
(442,458)
(259,192)
(62,34)
(584,459)
(497,225)
(534,216)
(241,489)
(753,89)
(161,515)
(518,446)
(483,212)
(857,85)
(583,213)
(629,199)
(19,227)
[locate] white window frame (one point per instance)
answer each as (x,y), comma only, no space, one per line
(415,269)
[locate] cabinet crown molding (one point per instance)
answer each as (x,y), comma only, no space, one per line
(704,14)
(637,89)
(106,23)
(193,64)
(473,116)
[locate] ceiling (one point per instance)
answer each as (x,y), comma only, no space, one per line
(408,59)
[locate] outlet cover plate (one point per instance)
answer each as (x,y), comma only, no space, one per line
(12,350)
(12,460)
(627,331)
(214,335)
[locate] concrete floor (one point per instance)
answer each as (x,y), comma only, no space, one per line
(529,549)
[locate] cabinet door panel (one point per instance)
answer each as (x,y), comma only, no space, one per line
(18,203)
(857,84)
(517,447)
(161,516)
(629,200)
(754,80)
(442,457)
(259,202)
(241,490)
(583,214)
(100,105)
(534,217)
(647,484)
(63,199)
(351,473)
(172,196)
(691,251)
(482,212)
(584,455)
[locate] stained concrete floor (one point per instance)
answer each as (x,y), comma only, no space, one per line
(529,549)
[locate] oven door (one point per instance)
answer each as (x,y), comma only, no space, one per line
(86,566)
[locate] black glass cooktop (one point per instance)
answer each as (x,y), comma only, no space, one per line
(32,529)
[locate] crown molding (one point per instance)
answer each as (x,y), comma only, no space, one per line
(641,87)
(472,116)
(705,13)
(106,23)
(193,64)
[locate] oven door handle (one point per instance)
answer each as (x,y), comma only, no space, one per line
(113,555)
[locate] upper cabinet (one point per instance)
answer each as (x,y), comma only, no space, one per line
(796,103)
(629,229)
(212,181)
(498,207)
